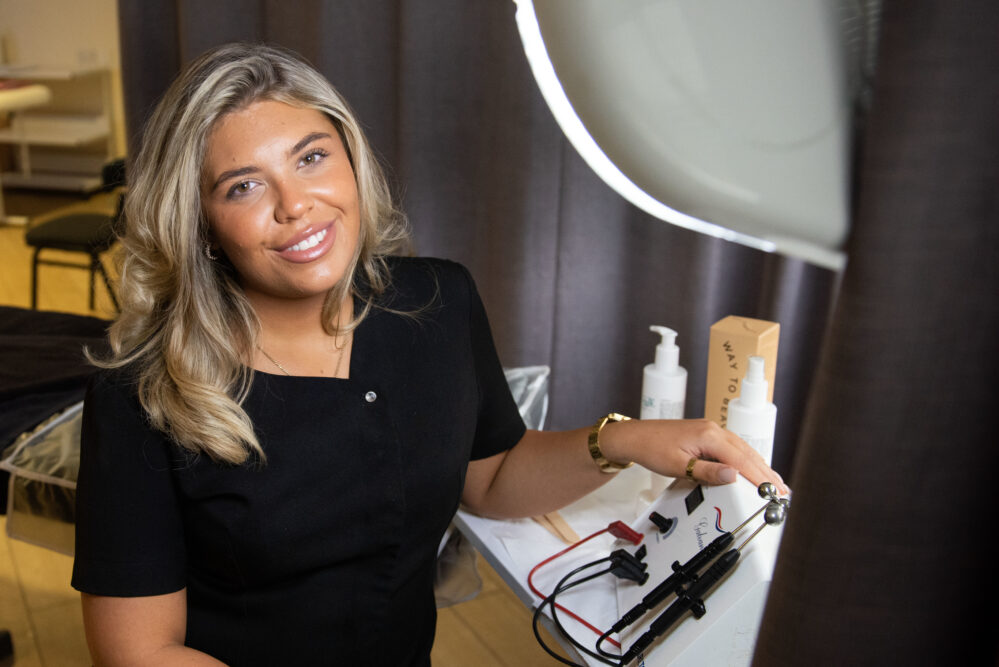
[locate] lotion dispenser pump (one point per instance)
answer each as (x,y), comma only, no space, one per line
(751,416)
(664,383)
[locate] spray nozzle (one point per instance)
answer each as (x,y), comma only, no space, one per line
(753,391)
(667,353)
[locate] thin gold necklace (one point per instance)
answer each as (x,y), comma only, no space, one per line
(336,371)
(273,361)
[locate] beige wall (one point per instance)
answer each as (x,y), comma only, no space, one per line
(67,33)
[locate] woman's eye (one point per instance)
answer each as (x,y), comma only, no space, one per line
(240,189)
(314,156)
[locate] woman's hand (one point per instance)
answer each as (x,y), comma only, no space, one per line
(547,470)
(669,446)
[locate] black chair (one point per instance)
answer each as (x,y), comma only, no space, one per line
(88,233)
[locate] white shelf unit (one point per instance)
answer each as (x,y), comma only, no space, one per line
(40,128)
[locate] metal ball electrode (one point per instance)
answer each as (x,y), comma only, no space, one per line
(775,513)
(767,491)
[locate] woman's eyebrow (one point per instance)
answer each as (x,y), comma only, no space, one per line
(232,173)
(306,140)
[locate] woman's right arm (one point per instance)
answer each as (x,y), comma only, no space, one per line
(139,631)
(129,534)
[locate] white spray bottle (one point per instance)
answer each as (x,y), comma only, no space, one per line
(751,416)
(664,383)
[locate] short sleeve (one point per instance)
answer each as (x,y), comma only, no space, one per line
(499,426)
(129,533)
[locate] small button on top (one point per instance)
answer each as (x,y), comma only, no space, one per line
(370,397)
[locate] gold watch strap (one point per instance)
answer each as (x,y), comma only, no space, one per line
(593,442)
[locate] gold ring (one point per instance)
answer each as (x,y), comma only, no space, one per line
(690,468)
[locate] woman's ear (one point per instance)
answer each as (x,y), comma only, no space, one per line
(210,246)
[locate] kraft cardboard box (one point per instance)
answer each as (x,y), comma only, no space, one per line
(733,340)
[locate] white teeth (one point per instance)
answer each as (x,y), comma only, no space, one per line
(310,242)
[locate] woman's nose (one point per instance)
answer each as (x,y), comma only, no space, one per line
(293,201)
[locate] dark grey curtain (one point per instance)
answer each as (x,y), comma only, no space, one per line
(885,558)
(571,274)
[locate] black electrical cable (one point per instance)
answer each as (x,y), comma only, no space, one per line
(559,588)
(600,640)
(562,630)
(623,565)
(550,600)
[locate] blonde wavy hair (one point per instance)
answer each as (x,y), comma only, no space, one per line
(185,326)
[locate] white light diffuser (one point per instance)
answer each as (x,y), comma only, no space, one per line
(727,117)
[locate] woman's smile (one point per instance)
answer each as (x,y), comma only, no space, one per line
(312,247)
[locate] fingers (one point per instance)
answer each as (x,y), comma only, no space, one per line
(732,452)
(710,472)
(755,468)
(716,472)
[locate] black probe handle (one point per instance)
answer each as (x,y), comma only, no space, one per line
(704,556)
(689,600)
(681,574)
(699,589)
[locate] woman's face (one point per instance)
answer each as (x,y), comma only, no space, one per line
(281,200)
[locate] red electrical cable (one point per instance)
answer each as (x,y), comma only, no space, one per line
(618,529)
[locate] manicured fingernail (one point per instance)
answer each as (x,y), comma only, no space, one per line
(727,475)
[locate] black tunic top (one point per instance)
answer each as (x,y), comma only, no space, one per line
(326,554)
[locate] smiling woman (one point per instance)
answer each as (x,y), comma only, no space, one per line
(228,513)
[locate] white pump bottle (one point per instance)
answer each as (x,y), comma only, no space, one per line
(751,416)
(664,383)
